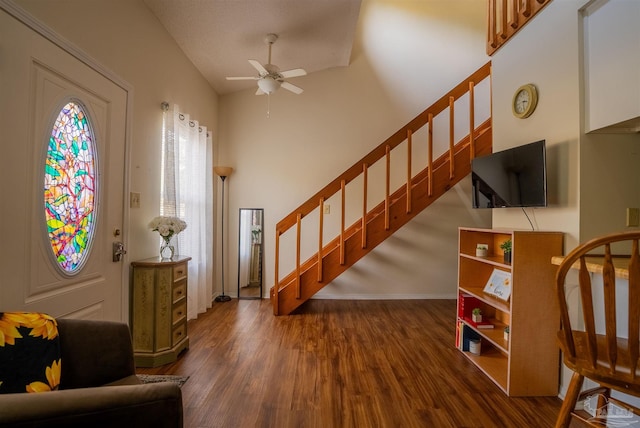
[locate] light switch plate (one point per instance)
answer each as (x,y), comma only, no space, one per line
(633,217)
(134,200)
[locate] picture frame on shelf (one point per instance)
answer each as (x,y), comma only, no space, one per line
(499,285)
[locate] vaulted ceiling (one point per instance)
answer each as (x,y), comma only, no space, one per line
(219,36)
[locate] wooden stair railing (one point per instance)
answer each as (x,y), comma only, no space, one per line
(507,17)
(397,208)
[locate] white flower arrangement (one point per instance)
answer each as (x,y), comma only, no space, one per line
(167,226)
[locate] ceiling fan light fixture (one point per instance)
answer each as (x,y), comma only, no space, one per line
(270,78)
(268,84)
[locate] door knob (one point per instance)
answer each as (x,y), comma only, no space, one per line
(118,251)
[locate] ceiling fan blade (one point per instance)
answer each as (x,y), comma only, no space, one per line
(293,88)
(242,78)
(296,72)
(258,66)
(259,92)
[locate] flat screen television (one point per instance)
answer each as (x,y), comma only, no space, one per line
(515,177)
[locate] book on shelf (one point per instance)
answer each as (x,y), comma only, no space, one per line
(483,326)
(466,304)
(464,335)
(479,325)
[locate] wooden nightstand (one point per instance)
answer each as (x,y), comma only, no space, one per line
(159,310)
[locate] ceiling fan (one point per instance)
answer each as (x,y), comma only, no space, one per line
(270,78)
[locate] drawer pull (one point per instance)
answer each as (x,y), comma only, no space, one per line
(180,313)
(179,333)
(179,292)
(179,272)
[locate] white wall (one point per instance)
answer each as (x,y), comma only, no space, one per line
(612,94)
(546,53)
(609,183)
(609,179)
(400,65)
(125,37)
(592,178)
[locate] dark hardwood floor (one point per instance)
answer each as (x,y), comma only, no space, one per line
(340,363)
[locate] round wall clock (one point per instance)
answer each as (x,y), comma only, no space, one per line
(524,101)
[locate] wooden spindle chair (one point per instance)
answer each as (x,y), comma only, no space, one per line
(595,351)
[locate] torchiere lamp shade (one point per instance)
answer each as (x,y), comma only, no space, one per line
(223,171)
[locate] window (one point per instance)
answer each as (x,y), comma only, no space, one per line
(70,188)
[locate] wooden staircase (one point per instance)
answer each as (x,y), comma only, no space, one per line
(395,210)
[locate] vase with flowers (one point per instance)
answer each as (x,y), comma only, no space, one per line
(256,230)
(167,227)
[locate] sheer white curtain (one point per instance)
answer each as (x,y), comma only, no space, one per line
(187,189)
(244,249)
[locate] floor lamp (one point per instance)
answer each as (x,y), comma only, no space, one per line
(223,172)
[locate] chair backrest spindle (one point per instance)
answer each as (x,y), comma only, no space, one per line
(609,287)
(634,305)
(587,308)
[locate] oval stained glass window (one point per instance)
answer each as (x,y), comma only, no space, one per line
(70,188)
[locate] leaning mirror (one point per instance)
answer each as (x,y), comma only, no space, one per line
(250,249)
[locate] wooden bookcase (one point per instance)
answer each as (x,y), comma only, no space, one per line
(528,363)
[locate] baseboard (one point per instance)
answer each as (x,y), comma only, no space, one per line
(342,296)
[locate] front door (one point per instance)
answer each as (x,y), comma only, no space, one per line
(37,80)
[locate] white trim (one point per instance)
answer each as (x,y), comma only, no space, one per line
(39,27)
(330,296)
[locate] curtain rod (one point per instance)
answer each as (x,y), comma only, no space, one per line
(165,107)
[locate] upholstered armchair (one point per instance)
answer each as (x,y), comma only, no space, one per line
(97,384)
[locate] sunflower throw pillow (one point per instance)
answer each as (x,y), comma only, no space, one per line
(29,352)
